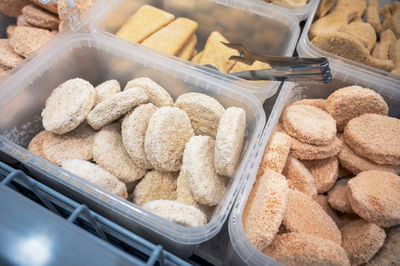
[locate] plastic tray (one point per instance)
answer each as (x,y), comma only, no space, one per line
(265,29)
(301,12)
(306,49)
(240,250)
(96,59)
(70,228)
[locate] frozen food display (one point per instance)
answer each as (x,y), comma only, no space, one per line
(174,159)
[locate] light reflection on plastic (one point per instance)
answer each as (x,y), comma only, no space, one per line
(34,251)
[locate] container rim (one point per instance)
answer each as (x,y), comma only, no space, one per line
(172,231)
(261,90)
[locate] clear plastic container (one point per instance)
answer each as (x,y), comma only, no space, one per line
(96,59)
(265,29)
(240,251)
(301,12)
(306,49)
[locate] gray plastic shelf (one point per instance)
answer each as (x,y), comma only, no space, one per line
(39,226)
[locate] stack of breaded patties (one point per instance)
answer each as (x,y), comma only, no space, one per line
(36,24)
(317,137)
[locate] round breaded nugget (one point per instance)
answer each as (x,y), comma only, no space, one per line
(337,197)
(309,124)
(177,212)
(305,151)
(26,40)
(63,10)
(114,107)
(322,200)
(276,153)
(204,112)
(305,215)
(265,208)
(109,153)
(76,144)
(375,197)
(303,249)
(157,94)
(298,177)
(134,127)
(198,160)
(12,8)
(319,103)
(67,106)
(350,102)
(8,57)
(36,143)
(106,89)
(155,186)
(325,172)
(389,254)
(184,194)
(375,137)
(362,240)
(356,164)
(167,133)
(10,30)
(229,140)
(40,18)
(96,175)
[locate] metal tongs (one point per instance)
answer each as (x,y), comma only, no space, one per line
(296,69)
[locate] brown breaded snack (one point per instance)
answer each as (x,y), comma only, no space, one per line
(299,178)
(146,21)
(265,208)
(349,102)
(375,137)
(382,48)
(26,40)
(275,153)
(8,58)
(346,218)
(52,7)
(337,197)
(196,59)
(239,66)
(364,32)
(319,103)
(217,54)
(302,249)
(12,8)
(375,197)
(63,11)
(343,12)
(343,172)
(155,185)
(187,50)
(356,164)
(173,37)
(322,200)
(372,16)
(347,46)
(21,22)
(76,144)
(324,7)
(40,18)
(305,215)
(325,172)
(309,124)
(395,56)
(109,153)
(389,254)
(362,240)
(304,151)
(10,30)
(36,143)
